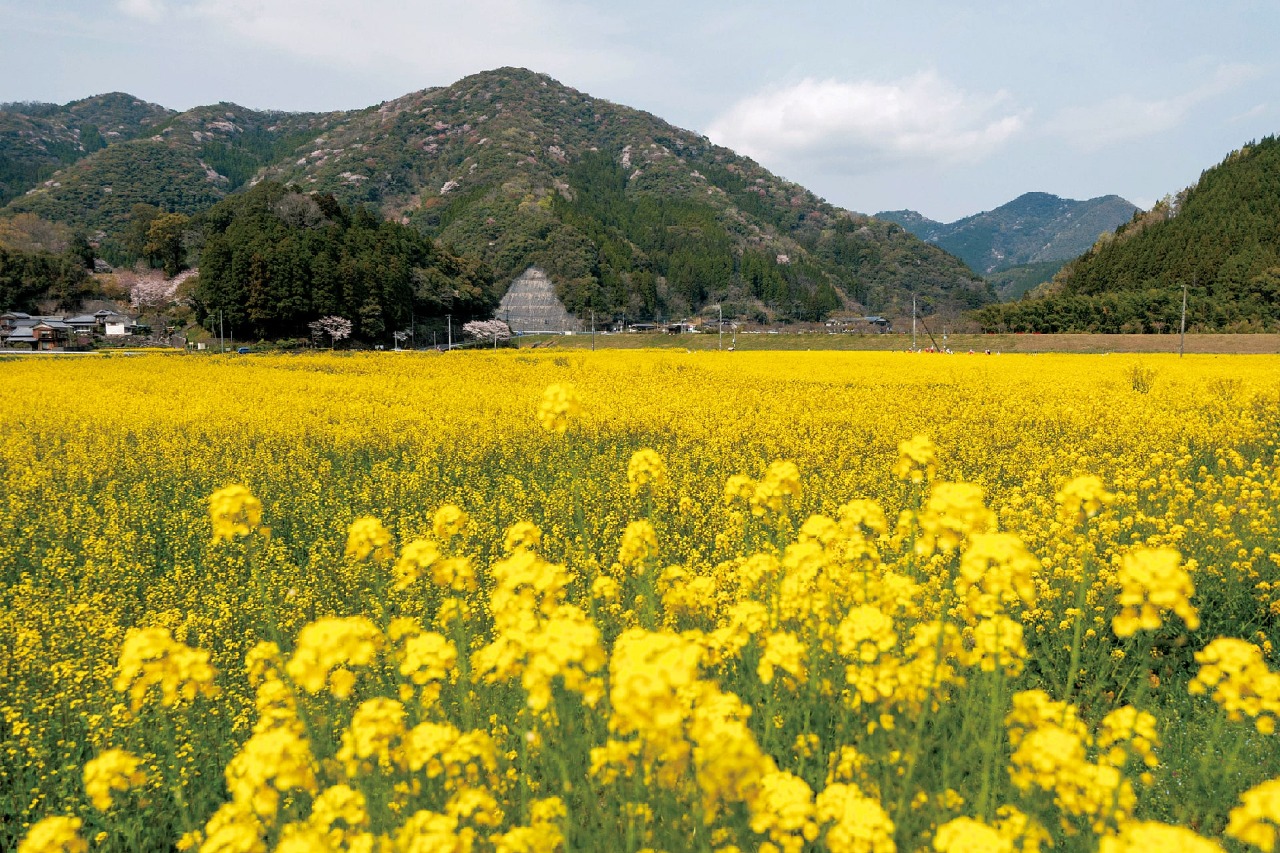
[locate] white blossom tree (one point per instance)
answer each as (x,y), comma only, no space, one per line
(337,328)
(488,330)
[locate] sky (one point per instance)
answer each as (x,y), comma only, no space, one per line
(948,108)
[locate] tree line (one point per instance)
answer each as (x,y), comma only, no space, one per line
(1218,239)
(274,259)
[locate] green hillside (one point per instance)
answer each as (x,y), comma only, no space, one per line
(1219,238)
(186,163)
(1016,282)
(38,139)
(626,212)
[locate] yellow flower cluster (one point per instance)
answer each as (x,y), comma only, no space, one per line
(114,771)
(1081,499)
(771,637)
(646,472)
(539,638)
(1051,751)
(235,512)
(1256,820)
(55,834)
(639,546)
(329,651)
(1146,835)
(1152,580)
(368,538)
(1236,675)
(917,460)
(780,484)
(558,407)
(151,657)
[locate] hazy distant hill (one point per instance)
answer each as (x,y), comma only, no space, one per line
(1034,228)
(1219,237)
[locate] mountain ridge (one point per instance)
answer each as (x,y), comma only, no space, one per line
(628,212)
(1034,228)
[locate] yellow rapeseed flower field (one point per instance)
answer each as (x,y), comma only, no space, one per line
(623,601)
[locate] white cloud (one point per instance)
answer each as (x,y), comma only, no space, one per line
(1126,117)
(147,10)
(861,124)
(1257,111)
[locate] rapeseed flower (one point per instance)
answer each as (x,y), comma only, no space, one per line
(449,522)
(1152,580)
(966,835)
(855,822)
(646,472)
(639,545)
(55,834)
(270,763)
(1081,499)
(416,557)
(114,771)
(234,513)
(917,460)
(1256,820)
(368,538)
(151,657)
(1147,835)
(329,649)
(558,407)
(1235,674)
(953,512)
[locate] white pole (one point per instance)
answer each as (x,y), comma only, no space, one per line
(449,318)
(913,321)
(1182,330)
(720,323)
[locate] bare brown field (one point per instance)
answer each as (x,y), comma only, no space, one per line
(1254,344)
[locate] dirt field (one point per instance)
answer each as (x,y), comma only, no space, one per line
(1224,344)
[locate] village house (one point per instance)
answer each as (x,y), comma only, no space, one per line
(22,331)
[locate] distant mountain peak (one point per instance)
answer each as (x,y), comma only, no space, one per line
(1036,227)
(1217,239)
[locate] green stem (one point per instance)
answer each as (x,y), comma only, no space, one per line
(1077,634)
(989,769)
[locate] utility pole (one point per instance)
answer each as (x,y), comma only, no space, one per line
(222,340)
(1182,330)
(449,319)
(720,325)
(593,330)
(913,321)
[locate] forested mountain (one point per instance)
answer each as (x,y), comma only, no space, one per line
(274,259)
(185,163)
(626,212)
(1219,237)
(38,139)
(1025,237)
